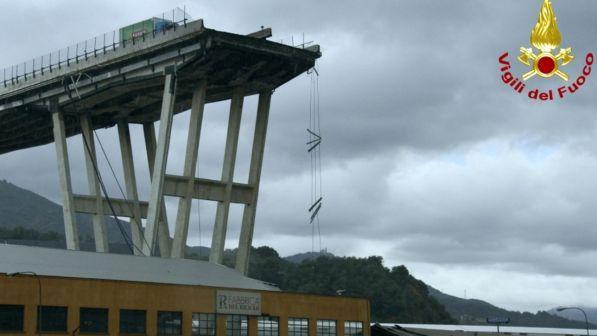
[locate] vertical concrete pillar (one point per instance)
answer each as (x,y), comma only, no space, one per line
(219,235)
(248,223)
(130,180)
(99,224)
(68,210)
(190,165)
(163,229)
(161,159)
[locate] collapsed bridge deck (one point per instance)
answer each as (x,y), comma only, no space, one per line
(128,82)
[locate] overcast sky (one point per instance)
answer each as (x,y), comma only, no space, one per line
(429,160)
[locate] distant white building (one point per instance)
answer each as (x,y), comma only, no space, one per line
(467,330)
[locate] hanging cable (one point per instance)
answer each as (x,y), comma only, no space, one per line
(309,122)
(314,149)
(318,152)
(128,242)
(199,217)
(131,245)
(199,222)
(143,240)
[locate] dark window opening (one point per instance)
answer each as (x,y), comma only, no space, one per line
(93,320)
(52,319)
(132,321)
(11,318)
(169,323)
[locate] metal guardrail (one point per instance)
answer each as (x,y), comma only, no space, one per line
(291,41)
(93,47)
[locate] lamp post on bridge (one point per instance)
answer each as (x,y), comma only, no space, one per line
(582,311)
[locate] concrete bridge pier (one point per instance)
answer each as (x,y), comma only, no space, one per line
(190,166)
(219,235)
(164,240)
(130,180)
(248,221)
(161,159)
(99,224)
(68,210)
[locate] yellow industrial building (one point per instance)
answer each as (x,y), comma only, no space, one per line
(78,292)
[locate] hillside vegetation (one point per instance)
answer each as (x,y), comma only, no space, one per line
(395,295)
(472,311)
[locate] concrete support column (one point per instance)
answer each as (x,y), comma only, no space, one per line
(130,181)
(248,223)
(190,165)
(219,235)
(163,229)
(99,224)
(161,159)
(68,210)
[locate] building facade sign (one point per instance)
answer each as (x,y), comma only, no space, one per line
(242,303)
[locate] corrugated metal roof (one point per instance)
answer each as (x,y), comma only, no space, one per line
(92,265)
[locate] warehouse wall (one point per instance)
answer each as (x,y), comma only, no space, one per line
(116,295)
